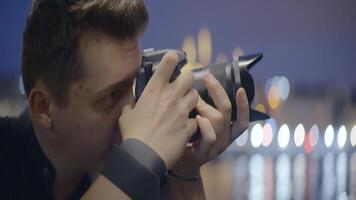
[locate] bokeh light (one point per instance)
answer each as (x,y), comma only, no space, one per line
(329,136)
(283,177)
(204,46)
(353,136)
(256,168)
(267,135)
(273,124)
(283,136)
(237,52)
(341,136)
(273,97)
(341,174)
(299,135)
(189,46)
(314,135)
(277,89)
(308,148)
(256,135)
(299,176)
(260,107)
(328,176)
(284,87)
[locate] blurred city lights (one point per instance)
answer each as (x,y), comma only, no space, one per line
(299,176)
(284,88)
(256,135)
(267,135)
(283,136)
(273,97)
(204,46)
(341,136)
(273,124)
(308,148)
(328,177)
(269,177)
(353,136)
(283,177)
(242,139)
(329,136)
(189,46)
(352,173)
(299,135)
(314,135)
(277,89)
(256,170)
(341,174)
(261,107)
(237,52)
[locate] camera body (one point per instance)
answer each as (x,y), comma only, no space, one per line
(232,76)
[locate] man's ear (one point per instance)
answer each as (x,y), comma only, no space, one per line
(41,105)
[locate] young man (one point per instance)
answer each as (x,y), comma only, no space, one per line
(79,62)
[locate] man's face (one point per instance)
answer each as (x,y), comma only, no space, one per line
(89,124)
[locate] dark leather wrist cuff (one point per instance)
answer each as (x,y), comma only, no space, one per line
(136,169)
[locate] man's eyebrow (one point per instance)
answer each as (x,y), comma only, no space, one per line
(123,82)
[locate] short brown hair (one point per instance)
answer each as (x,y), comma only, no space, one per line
(51,51)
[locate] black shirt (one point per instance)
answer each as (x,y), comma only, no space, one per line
(25,171)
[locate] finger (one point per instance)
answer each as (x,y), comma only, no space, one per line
(192,126)
(242,113)
(190,100)
(126,108)
(208,136)
(184,82)
(165,69)
(212,114)
(219,96)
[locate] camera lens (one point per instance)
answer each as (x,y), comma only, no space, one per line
(232,76)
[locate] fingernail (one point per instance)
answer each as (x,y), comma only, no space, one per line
(242,92)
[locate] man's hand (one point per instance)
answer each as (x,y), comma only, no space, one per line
(160,116)
(217,132)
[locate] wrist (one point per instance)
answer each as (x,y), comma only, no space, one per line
(186,171)
(175,175)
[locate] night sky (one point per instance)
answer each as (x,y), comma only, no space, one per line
(311,42)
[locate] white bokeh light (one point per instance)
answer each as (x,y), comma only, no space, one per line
(299,135)
(283,136)
(314,135)
(353,136)
(341,136)
(267,135)
(329,136)
(256,135)
(283,85)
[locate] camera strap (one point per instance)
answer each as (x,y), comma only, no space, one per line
(136,169)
